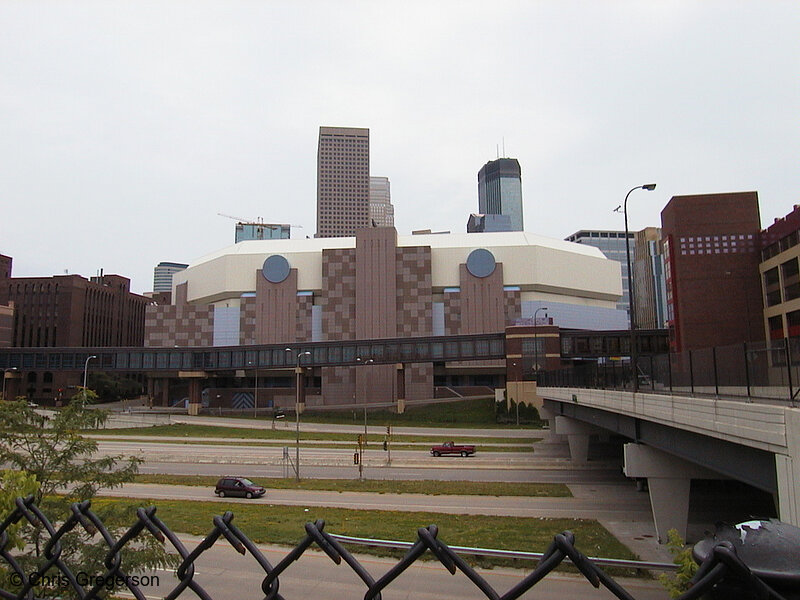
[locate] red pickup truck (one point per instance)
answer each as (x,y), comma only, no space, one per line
(451,448)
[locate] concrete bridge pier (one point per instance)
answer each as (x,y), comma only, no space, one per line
(577,433)
(669,481)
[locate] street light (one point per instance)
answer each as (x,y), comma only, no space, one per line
(255,386)
(369,361)
(297,413)
(631,305)
(536,346)
(86,373)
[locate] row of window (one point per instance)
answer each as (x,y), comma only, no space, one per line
(782,283)
(781,245)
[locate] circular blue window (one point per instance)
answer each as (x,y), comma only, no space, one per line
(480,263)
(275,269)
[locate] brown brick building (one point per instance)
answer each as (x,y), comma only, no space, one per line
(67,311)
(711,254)
(6,311)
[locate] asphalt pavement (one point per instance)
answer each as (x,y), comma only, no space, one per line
(224,573)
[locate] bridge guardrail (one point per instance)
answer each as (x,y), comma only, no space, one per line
(752,370)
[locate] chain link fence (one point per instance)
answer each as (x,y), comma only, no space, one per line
(722,566)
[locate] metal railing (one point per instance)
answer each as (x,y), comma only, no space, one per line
(752,370)
(723,565)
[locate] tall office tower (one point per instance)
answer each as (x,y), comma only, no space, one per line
(649,283)
(500,190)
(381,211)
(612,244)
(342,181)
(162,275)
(712,252)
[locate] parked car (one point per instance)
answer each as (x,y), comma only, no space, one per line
(452,448)
(238,486)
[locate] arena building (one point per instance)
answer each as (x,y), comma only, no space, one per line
(381,285)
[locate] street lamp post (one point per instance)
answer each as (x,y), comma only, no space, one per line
(86,372)
(369,361)
(536,346)
(297,413)
(631,302)
(255,387)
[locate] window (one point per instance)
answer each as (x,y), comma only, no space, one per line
(772,289)
(791,280)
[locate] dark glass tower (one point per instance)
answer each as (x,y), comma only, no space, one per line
(500,190)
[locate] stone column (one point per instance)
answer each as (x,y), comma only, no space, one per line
(577,433)
(669,480)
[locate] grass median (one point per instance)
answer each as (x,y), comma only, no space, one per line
(284,433)
(284,525)
(381,486)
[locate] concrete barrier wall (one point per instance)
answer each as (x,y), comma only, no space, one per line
(122,420)
(749,423)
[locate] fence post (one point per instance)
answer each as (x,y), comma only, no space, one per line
(746,369)
(788,366)
(691,372)
(652,377)
(716,378)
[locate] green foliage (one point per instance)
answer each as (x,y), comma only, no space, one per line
(111,387)
(678,583)
(471,412)
(49,450)
(528,415)
(15,484)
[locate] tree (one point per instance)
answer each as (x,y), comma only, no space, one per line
(51,450)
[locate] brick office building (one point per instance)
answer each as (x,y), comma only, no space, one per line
(711,254)
(71,311)
(6,311)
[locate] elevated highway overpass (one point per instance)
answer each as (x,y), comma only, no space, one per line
(675,438)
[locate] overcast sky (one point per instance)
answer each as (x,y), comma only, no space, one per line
(125,127)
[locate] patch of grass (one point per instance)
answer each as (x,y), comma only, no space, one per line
(381,486)
(469,413)
(373,447)
(212,431)
(284,525)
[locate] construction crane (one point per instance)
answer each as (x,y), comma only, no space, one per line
(260,221)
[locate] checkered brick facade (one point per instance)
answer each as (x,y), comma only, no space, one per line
(247,321)
(418,381)
(303,324)
(513,306)
(414,299)
(183,325)
(339,294)
(452,313)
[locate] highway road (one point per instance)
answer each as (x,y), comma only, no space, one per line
(224,573)
(545,465)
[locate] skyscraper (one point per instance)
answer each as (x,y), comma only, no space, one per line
(612,244)
(162,275)
(342,181)
(500,190)
(381,211)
